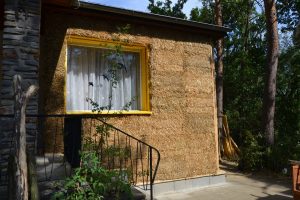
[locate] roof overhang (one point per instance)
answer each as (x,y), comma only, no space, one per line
(210,30)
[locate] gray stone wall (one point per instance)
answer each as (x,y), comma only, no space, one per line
(1,32)
(20,47)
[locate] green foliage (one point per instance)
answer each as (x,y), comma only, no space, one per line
(287,119)
(288,14)
(251,153)
(244,57)
(244,61)
(202,15)
(166,8)
(92,181)
(205,14)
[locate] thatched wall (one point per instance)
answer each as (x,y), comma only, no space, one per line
(183,120)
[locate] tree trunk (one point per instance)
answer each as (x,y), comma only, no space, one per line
(271,71)
(219,67)
(20,159)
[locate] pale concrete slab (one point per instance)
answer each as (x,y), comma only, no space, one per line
(184,184)
(238,187)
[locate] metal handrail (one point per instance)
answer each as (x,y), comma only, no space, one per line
(152,176)
(151,149)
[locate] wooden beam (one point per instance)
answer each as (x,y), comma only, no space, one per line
(64,3)
(128,19)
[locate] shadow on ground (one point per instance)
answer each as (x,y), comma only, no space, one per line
(240,186)
(271,186)
(275,197)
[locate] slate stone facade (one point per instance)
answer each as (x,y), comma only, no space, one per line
(20,55)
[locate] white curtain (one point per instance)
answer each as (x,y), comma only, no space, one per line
(88,76)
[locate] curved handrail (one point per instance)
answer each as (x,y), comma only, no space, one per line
(158,154)
(152,176)
(153,172)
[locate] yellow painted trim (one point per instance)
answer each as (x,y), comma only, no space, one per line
(65,79)
(111,112)
(108,44)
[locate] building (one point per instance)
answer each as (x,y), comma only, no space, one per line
(170,73)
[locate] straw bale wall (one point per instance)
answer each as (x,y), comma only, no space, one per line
(182,125)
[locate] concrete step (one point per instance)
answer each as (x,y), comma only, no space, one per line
(49,158)
(137,194)
(52,169)
(47,189)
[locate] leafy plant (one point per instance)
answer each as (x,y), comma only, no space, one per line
(251,153)
(165,8)
(92,181)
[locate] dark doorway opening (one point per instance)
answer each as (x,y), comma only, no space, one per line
(72,140)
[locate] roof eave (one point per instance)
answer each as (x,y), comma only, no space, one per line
(220,31)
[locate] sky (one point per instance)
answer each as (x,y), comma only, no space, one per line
(141,5)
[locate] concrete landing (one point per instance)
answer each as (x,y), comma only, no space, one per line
(188,184)
(238,187)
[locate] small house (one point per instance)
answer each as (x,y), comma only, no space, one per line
(167,83)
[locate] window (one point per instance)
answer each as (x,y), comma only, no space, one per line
(97,71)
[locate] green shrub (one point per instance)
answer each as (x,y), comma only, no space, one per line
(92,182)
(251,153)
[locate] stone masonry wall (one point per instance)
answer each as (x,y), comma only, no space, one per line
(181,81)
(20,56)
(1,73)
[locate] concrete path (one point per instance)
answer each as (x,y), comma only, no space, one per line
(238,187)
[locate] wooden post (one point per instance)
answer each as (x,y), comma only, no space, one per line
(20,181)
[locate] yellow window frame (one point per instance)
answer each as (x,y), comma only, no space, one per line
(129,47)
